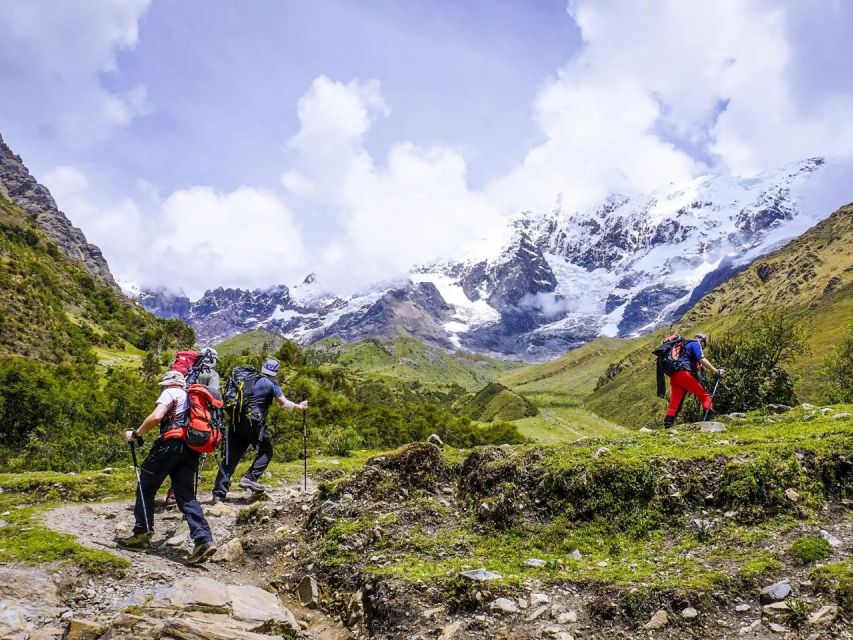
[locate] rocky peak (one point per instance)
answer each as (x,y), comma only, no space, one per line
(20,187)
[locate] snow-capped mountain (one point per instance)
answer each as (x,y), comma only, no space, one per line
(545,282)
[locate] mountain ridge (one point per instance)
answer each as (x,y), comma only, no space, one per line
(22,189)
(546,282)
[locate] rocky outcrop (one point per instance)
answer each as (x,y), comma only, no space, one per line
(20,187)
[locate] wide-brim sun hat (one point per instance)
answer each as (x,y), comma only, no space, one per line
(270,368)
(173,378)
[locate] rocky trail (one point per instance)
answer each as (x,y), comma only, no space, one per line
(159,596)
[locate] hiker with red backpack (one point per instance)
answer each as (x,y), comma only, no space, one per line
(185,429)
(681,360)
(197,367)
(248,397)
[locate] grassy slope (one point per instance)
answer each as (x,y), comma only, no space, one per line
(558,388)
(605,507)
(52,309)
(410,360)
(253,341)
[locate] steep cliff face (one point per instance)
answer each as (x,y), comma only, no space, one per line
(22,189)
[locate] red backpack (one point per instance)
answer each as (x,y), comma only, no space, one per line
(204,421)
(184,362)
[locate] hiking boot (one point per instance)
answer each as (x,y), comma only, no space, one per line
(668,422)
(171,500)
(251,485)
(216,499)
(136,542)
(202,552)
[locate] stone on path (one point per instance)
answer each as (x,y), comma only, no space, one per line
(775,627)
(689,613)
(309,592)
(775,592)
(569,617)
(204,591)
(831,539)
(535,562)
(480,575)
(842,416)
(81,629)
(180,536)
(230,551)
(450,630)
(824,616)
(538,599)
(504,605)
(658,621)
(253,603)
(711,427)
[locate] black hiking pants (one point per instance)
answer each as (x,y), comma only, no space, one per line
(237,446)
(174,459)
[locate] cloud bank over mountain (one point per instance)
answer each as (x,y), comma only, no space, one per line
(657,93)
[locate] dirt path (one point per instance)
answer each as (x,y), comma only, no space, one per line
(152,575)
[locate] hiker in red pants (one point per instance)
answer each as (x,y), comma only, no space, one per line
(681,361)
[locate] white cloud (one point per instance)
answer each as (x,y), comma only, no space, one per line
(52,57)
(412,207)
(194,239)
(662,90)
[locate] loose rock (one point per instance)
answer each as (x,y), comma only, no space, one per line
(775,592)
(658,621)
(504,605)
(831,539)
(824,616)
(689,613)
(309,592)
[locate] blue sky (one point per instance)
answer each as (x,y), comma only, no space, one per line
(277,138)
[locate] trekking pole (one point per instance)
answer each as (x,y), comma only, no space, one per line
(305,451)
(713,393)
(132,446)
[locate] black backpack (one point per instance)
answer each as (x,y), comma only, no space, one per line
(246,419)
(671,357)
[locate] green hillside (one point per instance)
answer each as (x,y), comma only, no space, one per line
(257,341)
(410,360)
(53,310)
(495,402)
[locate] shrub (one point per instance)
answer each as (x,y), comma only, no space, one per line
(810,549)
(340,441)
(837,372)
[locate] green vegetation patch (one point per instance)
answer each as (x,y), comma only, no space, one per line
(496,402)
(810,549)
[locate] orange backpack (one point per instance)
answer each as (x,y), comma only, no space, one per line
(204,423)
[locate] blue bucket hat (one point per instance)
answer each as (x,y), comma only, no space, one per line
(270,367)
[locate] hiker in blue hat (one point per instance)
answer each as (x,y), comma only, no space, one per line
(264,390)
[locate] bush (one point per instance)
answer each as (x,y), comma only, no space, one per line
(340,441)
(810,549)
(837,372)
(753,357)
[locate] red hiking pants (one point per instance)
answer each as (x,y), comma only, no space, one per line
(681,383)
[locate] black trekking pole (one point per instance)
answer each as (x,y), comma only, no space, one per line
(713,393)
(132,446)
(305,450)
